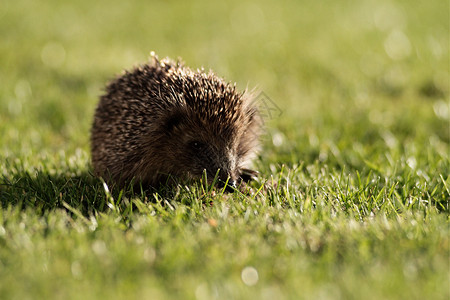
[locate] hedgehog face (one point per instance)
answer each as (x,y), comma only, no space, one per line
(204,157)
(198,147)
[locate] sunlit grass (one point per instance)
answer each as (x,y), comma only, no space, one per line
(353,196)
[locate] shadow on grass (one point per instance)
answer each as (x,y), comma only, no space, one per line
(45,191)
(85,193)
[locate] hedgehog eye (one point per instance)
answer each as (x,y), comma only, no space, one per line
(196,145)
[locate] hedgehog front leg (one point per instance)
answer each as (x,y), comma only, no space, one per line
(248,175)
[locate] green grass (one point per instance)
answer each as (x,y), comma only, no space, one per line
(353,197)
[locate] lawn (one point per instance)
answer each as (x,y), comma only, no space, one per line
(352,201)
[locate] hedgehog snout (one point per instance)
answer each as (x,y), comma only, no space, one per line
(226,175)
(227,171)
(226,178)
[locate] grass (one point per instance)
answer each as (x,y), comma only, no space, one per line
(353,197)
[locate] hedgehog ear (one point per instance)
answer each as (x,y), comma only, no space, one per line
(171,122)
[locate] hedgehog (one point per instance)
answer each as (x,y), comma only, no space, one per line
(163,121)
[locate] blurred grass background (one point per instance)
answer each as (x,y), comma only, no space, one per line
(321,62)
(363,89)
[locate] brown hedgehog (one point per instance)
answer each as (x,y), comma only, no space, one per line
(165,121)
